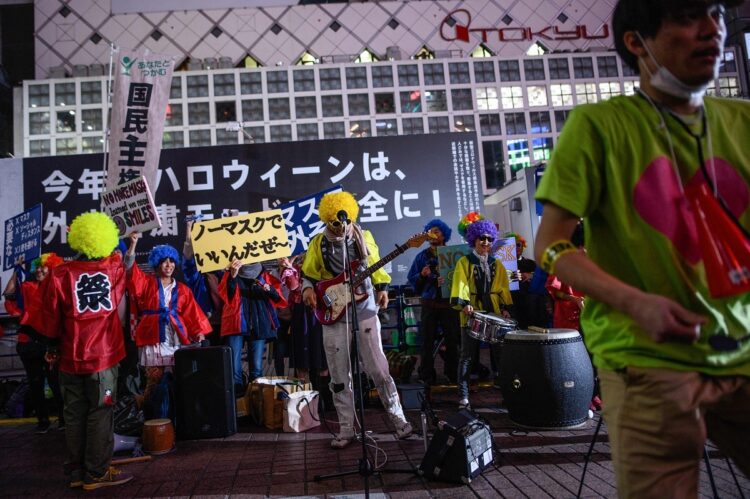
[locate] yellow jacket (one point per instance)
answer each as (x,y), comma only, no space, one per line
(464,288)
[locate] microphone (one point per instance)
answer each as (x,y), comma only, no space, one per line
(342,217)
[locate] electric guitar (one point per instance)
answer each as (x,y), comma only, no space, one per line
(333,294)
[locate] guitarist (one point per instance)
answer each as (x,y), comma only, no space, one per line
(324,260)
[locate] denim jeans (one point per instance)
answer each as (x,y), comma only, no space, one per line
(255,349)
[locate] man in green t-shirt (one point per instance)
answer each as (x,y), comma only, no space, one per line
(672,351)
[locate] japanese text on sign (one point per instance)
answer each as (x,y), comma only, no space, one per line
(23,236)
(131,207)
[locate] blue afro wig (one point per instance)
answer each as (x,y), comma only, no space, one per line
(436,222)
(481,227)
(160,253)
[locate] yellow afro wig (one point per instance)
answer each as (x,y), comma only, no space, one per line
(93,234)
(333,202)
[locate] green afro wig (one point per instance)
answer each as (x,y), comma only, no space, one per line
(334,202)
(93,234)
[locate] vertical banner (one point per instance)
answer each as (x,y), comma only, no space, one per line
(303,221)
(139,108)
(23,236)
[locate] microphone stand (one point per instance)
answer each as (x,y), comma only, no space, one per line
(364,468)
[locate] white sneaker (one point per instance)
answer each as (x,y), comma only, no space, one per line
(341,441)
(464,404)
(404,431)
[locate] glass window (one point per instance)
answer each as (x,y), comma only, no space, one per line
(435,100)
(438,124)
(174,114)
(510,71)
(39,96)
(489,124)
(412,126)
(251,83)
(278,109)
(356,77)
(360,129)
(540,122)
(252,110)
(382,76)
(359,104)
(609,89)
(304,80)
(537,95)
(305,107)
(258,133)
(199,138)
(280,133)
(534,69)
(277,81)
(93,144)
(39,147)
(172,139)
(515,124)
(629,87)
(560,117)
(461,99)
(224,85)
(91,92)
(66,146)
(225,111)
(558,69)
(586,93)
(66,121)
(583,67)
(307,131)
(91,120)
(385,103)
(542,147)
(607,67)
(459,72)
(729,87)
(464,123)
(728,64)
(494,163)
(518,155)
(411,102)
(434,74)
(197,86)
(332,105)
(562,95)
(198,114)
(408,75)
(628,71)
(65,94)
(511,97)
(330,79)
(484,71)
(334,130)
(386,127)
(487,99)
(39,123)
(175,90)
(227,137)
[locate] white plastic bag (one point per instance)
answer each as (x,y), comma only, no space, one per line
(301,411)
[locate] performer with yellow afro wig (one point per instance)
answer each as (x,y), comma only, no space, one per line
(94,235)
(332,203)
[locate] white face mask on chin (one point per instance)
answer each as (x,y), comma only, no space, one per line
(665,81)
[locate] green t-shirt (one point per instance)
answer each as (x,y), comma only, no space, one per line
(613,167)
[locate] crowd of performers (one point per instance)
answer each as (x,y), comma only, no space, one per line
(101,301)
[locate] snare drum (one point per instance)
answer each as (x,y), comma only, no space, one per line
(489,327)
(158,436)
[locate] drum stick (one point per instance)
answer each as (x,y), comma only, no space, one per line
(536,329)
(129,460)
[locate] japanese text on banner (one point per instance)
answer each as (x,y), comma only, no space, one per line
(131,206)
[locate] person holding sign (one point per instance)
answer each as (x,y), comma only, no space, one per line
(324,260)
(480,284)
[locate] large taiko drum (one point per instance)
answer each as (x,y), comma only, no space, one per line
(158,436)
(546,378)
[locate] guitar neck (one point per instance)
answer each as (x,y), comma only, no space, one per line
(377,265)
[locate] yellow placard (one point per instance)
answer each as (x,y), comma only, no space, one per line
(255,237)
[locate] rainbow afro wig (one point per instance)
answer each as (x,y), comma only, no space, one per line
(49,260)
(440,225)
(520,240)
(480,228)
(468,219)
(334,202)
(160,253)
(93,234)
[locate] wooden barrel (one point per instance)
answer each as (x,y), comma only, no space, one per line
(158,436)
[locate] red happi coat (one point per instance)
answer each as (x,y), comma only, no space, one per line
(77,304)
(183,312)
(231,314)
(28,290)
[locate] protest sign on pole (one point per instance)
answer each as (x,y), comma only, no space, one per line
(255,237)
(142,83)
(132,207)
(23,236)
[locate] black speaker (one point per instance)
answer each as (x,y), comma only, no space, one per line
(204,393)
(459,451)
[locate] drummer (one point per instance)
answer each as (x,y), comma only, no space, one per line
(480,284)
